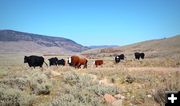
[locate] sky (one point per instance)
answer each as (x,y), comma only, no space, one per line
(94,22)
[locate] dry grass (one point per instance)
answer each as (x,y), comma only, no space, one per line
(165,48)
(138,81)
(147,80)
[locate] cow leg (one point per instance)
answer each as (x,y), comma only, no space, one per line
(85,65)
(74,65)
(79,65)
(29,65)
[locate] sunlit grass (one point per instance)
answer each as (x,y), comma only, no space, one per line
(148,76)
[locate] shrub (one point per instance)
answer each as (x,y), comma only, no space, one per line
(39,83)
(15,97)
(16,82)
(129,79)
(2,73)
(101,90)
(81,90)
(170,85)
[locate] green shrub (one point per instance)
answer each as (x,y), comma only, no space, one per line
(15,97)
(81,90)
(20,83)
(39,83)
(2,73)
(101,90)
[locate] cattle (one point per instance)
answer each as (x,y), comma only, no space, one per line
(61,62)
(34,61)
(142,55)
(82,61)
(76,61)
(118,58)
(73,61)
(53,61)
(139,55)
(98,62)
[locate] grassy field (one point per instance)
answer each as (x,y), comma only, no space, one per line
(140,83)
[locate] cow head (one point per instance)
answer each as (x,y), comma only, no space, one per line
(56,58)
(25,59)
(142,55)
(117,57)
(53,61)
(69,60)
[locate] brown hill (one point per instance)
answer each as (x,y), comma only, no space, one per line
(15,41)
(153,48)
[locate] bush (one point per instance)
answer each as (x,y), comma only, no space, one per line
(101,90)
(81,90)
(15,97)
(39,83)
(170,85)
(2,73)
(20,90)
(20,83)
(129,79)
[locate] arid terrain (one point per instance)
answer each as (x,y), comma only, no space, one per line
(141,83)
(128,83)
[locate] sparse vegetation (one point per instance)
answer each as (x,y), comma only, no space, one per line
(15,97)
(81,90)
(172,84)
(140,83)
(2,73)
(21,90)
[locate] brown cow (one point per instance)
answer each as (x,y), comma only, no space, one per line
(76,61)
(98,62)
(73,61)
(82,61)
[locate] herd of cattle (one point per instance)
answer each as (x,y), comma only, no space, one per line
(74,61)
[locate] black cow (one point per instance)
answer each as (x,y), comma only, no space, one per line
(61,62)
(139,55)
(118,58)
(142,55)
(53,61)
(34,61)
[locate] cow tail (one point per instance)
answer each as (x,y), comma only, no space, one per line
(46,63)
(86,63)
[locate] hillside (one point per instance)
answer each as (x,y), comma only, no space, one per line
(15,41)
(152,48)
(102,46)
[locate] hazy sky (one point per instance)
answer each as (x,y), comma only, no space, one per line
(94,22)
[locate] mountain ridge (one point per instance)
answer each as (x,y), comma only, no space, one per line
(42,40)
(102,46)
(153,48)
